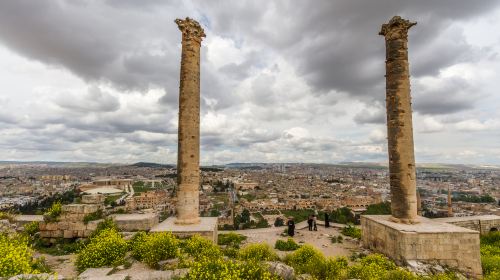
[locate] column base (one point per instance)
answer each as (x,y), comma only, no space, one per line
(404,221)
(192,221)
(427,241)
(207,228)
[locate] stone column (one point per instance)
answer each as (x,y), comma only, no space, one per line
(188,153)
(399,121)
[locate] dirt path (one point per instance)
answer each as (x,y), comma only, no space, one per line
(319,239)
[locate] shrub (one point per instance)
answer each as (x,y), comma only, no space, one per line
(373,266)
(490,255)
(335,268)
(53,212)
(106,248)
(155,247)
(279,222)
(32,228)
(230,252)
(352,231)
(16,256)
(219,268)
(231,239)
(7,216)
(306,259)
(199,247)
(288,245)
(93,216)
(257,252)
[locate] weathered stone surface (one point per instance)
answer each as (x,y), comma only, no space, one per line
(136,222)
(44,276)
(206,228)
(159,275)
(399,121)
(93,199)
(94,273)
(428,242)
(188,158)
(80,208)
(282,270)
(21,220)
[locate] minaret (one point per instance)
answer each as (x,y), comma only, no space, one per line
(399,122)
(450,209)
(188,154)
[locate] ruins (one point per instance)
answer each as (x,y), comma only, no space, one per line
(404,236)
(188,221)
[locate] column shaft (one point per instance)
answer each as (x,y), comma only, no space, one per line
(399,122)
(188,159)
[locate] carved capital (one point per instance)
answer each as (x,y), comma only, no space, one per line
(396,28)
(191,29)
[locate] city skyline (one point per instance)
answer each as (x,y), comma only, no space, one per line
(273,90)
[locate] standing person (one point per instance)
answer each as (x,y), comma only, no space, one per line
(291,226)
(314,223)
(310,222)
(327,222)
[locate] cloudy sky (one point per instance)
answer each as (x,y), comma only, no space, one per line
(281,81)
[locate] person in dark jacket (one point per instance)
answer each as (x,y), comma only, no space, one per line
(310,222)
(291,226)
(327,222)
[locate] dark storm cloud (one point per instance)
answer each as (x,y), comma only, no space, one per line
(335,43)
(129,48)
(451,95)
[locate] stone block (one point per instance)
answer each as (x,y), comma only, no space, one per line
(136,222)
(51,226)
(93,199)
(427,242)
(68,234)
(207,227)
(92,225)
(80,208)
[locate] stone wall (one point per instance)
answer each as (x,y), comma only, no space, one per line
(484,224)
(428,242)
(70,223)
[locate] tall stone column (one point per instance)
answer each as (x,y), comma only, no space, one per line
(188,153)
(399,122)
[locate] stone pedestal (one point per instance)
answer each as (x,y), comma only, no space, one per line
(135,222)
(207,227)
(428,242)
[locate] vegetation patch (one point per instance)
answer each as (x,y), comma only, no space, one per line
(97,215)
(352,231)
(231,239)
(490,255)
(155,247)
(257,252)
(53,212)
(16,256)
(288,245)
(108,248)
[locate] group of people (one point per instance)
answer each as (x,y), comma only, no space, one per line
(311,222)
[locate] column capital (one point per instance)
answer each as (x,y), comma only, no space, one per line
(191,29)
(396,28)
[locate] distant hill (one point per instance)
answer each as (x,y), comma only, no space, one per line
(152,165)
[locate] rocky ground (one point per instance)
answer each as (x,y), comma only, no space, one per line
(65,268)
(319,239)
